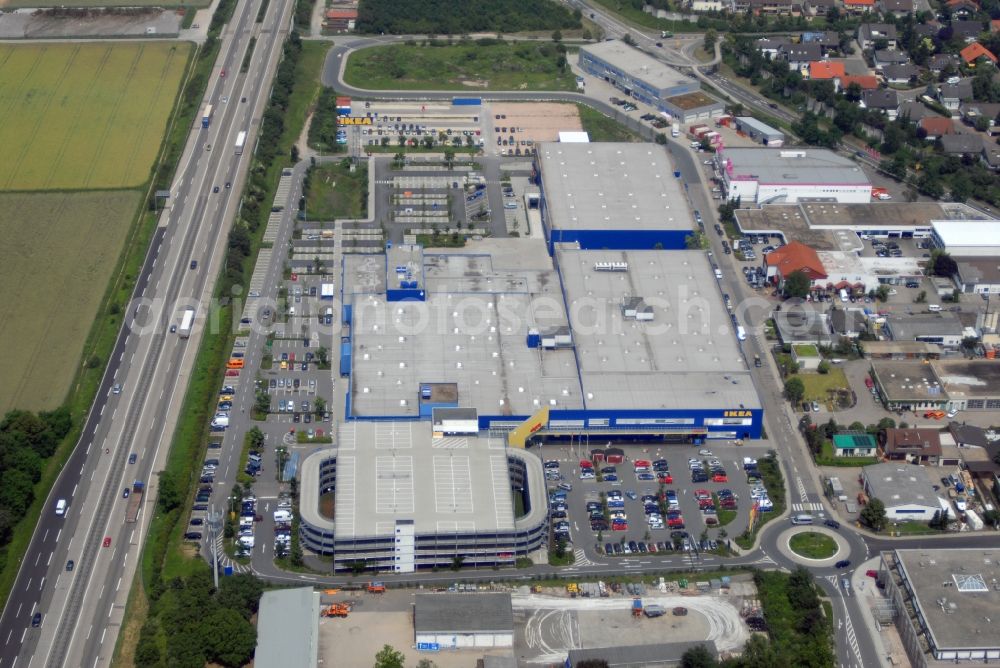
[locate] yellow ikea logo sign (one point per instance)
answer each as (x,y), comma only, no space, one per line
(737,414)
(354,120)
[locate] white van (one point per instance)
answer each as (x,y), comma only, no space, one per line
(675,131)
(741,333)
(844,298)
(282,516)
(934,308)
(802,519)
(61,507)
(718,274)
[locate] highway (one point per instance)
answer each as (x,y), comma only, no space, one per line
(82,608)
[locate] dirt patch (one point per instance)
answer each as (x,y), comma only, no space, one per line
(137,610)
(327,504)
(542,121)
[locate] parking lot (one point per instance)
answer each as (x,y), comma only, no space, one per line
(615,504)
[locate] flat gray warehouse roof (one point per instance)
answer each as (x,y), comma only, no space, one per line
(897,483)
(796,166)
(287,629)
(612,186)
(686,356)
(463,613)
(388,471)
(637,64)
(969,379)
(971,600)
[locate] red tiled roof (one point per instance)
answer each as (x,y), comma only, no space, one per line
(937,126)
(796,256)
(960,3)
(342,14)
(866,81)
(860,3)
(826,69)
(975,51)
(995,25)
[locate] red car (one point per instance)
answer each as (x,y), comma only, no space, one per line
(872,573)
(720,477)
(232,373)
(619,526)
(676,522)
(665,478)
(702,494)
(222,73)
(107,541)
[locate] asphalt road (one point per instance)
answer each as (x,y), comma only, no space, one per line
(152,367)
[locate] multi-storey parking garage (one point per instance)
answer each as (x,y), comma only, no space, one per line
(406,498)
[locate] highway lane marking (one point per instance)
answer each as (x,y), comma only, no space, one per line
(41,584)
(102,413)
(119,585)
(46,536)
(49,562)
(89,631)
(28,586)
(23,633)
(9,634)
(19,610)
(59,534)
(76,485)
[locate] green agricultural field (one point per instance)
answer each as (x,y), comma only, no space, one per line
(467,66)
(85,116)
(57,255)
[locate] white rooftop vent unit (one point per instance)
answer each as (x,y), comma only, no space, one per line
(611,266)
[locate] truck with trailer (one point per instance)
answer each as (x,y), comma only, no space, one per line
(134,501)
(241,140)
(187,323)
(206,116)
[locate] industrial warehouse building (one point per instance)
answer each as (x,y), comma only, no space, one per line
(288,629)
(944,601)
(611,195)
(454,621)
(768,176)
(649,80)
(961,238)
(760,132)
(904,489)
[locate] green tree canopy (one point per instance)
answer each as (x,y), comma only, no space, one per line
(389,657)
(795,389)
(873,514)
(797,284)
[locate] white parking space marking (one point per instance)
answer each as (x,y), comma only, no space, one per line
(394,484)
(452,484)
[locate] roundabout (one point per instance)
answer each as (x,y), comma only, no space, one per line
(812,545)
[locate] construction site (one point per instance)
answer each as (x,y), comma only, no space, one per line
(457,624)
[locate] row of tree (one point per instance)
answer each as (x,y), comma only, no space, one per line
(192,624)
(27,440)
(447,17)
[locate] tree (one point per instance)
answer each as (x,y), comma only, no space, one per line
(295,153)
(255,437)
(319,405)
(263,403)
(426,663)
(628,39)
(389,657)
(232,639)
(943,264)
(698,657)
(323,355)
(711,37)
(557,36)
(797,284)
(449,157)
(873,514)
(823,367)
(921,297)
(882,293)
(795,389)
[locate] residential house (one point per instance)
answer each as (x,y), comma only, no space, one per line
(962,144)
(854,444)
(976,53)
(917,446)
(818,7)
(795,325)
(340,19)
(826,70)
(952,96)
(967,30)
(994,25)
(991,158)
(709,5)
(967,435)
(913,111)
(926,30)
(884,100)
(800,55)
(904,74)
(828,40)
(973,111)
(770,47)
(897,8)
(870,33)
(771,7)
(859,6)
(794,257)
(847,322)
(939,62)
(889,57)
(978,275)
(962,9)
(864,81)
(937,127)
